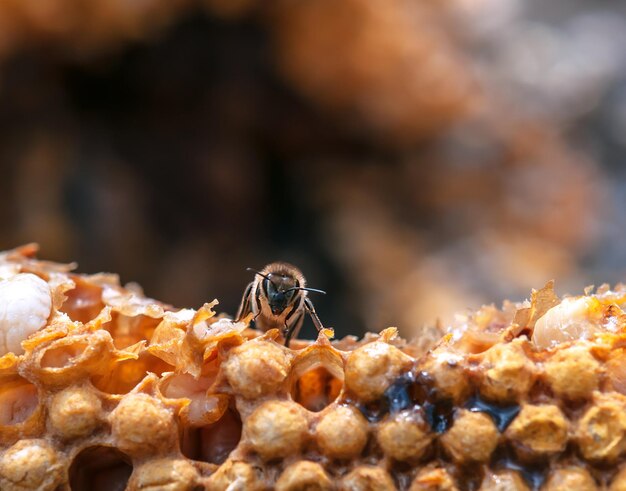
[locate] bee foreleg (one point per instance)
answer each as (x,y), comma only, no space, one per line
(244,306)
(308,305)
(293,328)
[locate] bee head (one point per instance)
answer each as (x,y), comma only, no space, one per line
(280,291)
(281,287)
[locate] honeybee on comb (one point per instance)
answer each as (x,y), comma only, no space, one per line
(278,299)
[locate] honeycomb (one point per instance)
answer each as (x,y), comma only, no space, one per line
(105,389)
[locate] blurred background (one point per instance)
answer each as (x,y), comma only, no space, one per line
(414,159)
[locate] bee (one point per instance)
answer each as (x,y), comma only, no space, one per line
(278,299)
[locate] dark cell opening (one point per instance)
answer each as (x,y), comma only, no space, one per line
(100,469)
(374,411)
(213,443)
(404,392)
(502,416)
(439,415)
(533,473)
(316,388)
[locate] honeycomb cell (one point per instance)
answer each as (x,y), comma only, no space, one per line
(72,358)
(304,476)
(18,400)
(404,436)
(342,433)
(205,407)
(75,412)
(256,368)
(569,479)
(235,475)
(213,443)
(573,373)
(507,373)
(317,377)
(615,371)
(84,302)
(142,425)
(123,376)
(127,330)
(473,437)
(276,429)
(372,368)
(30,465)
(100,468)
(165,475)
(365,478)
(432,478)
(447,371)
(503,481)
(316,389)
(538,431)
(63,355)
(600,433)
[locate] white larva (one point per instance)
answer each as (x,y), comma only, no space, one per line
(568,321)
(25,304)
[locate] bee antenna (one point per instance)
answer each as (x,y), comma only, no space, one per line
(314,290)
(260,274)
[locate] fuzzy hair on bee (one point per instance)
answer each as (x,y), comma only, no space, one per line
(278,299)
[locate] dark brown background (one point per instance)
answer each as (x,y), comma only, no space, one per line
(413,159)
